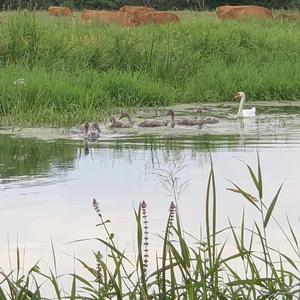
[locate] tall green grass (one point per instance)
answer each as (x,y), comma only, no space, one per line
(74,71)
(186,266)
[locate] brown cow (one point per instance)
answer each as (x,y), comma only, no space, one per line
(157,17)
(141,17)
(139,14)
(108,17)
(236,12)
(59,11)
(88,15)
(161,17)
(135,9)
(291,18)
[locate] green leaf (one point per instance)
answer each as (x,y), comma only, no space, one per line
(290,261)
(260,184)
(272,205)
(73,291)
(254,179)
(55,285)
(246,195)
(2,295)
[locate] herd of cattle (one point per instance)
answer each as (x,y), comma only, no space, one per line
(126,15)
(142,15)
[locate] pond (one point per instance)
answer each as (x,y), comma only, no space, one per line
(47,186)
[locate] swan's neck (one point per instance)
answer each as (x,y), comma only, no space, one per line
(240,111)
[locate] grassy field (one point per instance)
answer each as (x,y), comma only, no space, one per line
(73,71)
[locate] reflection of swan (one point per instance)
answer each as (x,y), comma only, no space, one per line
(207,120)
(146,123)
(248,128)
(91,131)
(242,131)
(244,113)
(185,122)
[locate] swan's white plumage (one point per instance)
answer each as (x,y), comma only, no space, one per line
(249,112)
(244,113)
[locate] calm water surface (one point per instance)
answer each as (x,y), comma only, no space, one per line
(47,188)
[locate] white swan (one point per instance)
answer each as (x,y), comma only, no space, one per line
(244,113)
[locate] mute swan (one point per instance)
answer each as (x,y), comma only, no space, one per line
(207,120)
(185,122)
(117,124)
(91,131)
(244,113)
(146,123)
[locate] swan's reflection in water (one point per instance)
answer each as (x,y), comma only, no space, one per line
(246,125)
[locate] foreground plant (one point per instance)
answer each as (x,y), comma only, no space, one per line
(186,267)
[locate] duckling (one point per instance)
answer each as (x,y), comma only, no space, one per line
(146,123)
(91,131)
(117,124)
(126,115)
(185,122)
(153,123)
(208,120)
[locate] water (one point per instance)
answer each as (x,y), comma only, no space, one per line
(47,187)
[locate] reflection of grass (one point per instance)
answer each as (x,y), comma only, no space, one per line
(203,143)
(187,267)
(75,72)
(26,157)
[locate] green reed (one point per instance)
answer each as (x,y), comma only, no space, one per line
(75,71)
(187,267)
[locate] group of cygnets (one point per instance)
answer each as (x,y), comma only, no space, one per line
(92,130)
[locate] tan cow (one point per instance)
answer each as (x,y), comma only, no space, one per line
(139,14)
(108,17)
(135,9)
(161,17)
(236,12)
(87,15)
(291,17)
(59,11)
(156,17)
(141,17)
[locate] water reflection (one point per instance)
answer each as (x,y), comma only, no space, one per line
(62,178)
(28,157)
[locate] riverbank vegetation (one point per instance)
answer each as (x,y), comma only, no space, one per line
(59,71)
(235,262)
